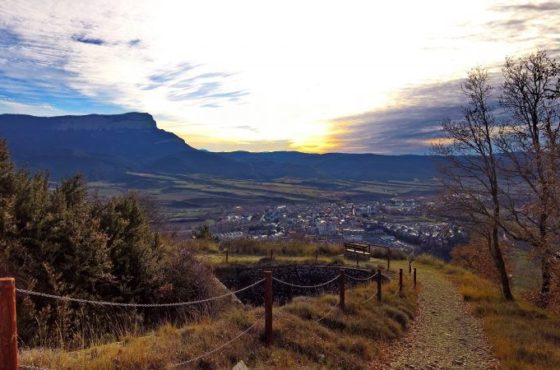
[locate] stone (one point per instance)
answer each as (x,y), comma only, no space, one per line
(240,366)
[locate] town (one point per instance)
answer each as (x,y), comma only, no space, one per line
(399,223)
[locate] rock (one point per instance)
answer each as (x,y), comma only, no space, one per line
(240,366)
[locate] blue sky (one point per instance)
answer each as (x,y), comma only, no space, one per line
(347,76)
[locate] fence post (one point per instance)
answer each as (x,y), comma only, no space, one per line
(379,285)
(357,260)
(388,259)
(400,281)
(227,255)
(414,277)
(342,292)
(409,266)
(268,307)
(8,327)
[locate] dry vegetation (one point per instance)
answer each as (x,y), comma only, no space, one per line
(247,251)
(522,335)
(349,340)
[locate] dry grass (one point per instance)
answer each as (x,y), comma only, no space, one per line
(522,335)
(349,340)
(245,259)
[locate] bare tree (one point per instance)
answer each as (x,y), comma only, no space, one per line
(472,189)
(530,142)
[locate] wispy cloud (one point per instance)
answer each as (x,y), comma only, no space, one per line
(92,54)
(407,127)
(249,72)
(88,40)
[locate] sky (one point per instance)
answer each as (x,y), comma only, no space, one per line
(314,76)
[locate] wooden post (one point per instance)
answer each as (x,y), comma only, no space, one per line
(8,327)
(342,278)
(227,255)
(388,259)
(268,307)
(357,260)
(400,281)
(409,266)
(414,277)
(379,285)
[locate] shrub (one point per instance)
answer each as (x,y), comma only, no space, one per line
(62,242)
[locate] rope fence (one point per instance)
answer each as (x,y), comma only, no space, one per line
(306,286)
(206,354)
(8,332)
(361,279)
(135,305)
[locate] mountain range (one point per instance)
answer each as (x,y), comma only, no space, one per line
(110,147)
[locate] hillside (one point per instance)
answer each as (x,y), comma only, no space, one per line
(106,147)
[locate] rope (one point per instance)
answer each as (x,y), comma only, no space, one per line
(143,305)
(215,349)
(327,313)
(362,279)
(306,286)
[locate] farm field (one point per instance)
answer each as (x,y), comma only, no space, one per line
(196,198)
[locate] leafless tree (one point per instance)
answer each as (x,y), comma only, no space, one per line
(470,174)
(530,143)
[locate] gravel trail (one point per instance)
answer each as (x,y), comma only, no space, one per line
(443,336)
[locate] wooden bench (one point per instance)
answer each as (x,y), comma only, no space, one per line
(360,251)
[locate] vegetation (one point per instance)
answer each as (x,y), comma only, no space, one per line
(350,340)
(60,241)
(474,169)
(502,177)
(284,248)
(522,335)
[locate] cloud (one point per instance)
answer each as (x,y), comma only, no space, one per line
(134,43)
(530,7)
(8,106)
(535,23)
(239,75)
(101,55)
(88,40)
(407,127)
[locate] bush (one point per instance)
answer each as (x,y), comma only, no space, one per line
(476,257)
(62,242)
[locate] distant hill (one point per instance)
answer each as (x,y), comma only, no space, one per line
(107,147)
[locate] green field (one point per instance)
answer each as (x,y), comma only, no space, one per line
(195,198)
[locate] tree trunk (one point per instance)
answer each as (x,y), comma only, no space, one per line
(546,273)
(500,264)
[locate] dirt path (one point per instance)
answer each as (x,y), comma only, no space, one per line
(444,335)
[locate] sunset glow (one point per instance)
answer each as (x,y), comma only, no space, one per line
(251,75)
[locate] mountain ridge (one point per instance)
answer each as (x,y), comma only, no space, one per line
(106,147)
